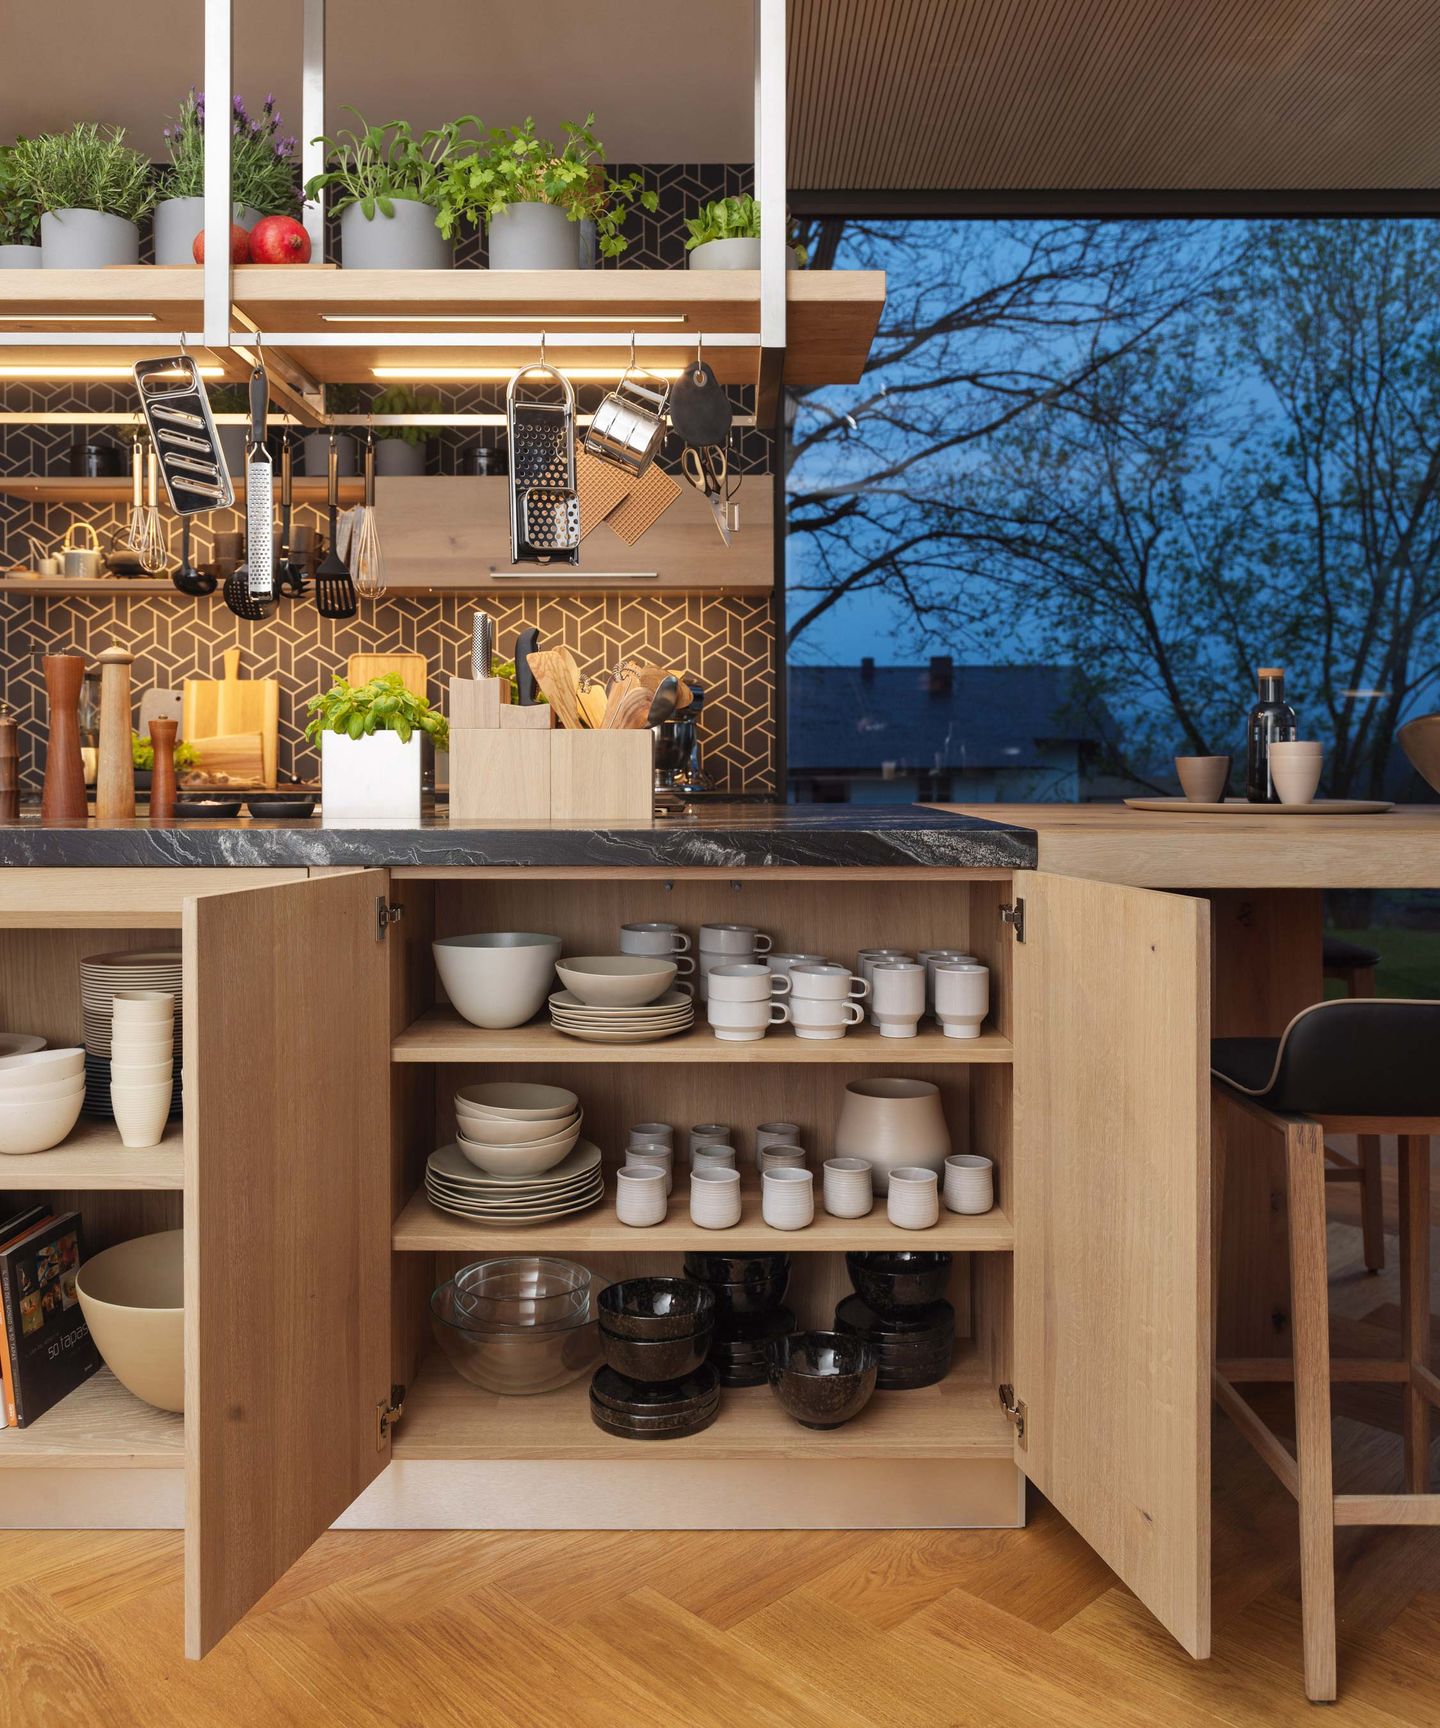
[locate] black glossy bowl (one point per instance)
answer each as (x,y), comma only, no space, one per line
(650,1360)
(655,1308)
(822,1379)
(892,1282)
(733,1268)
(276,809)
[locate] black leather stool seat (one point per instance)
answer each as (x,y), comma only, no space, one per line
(1354,1057)
(1343,956)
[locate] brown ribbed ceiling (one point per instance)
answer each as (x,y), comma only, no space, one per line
(970,95)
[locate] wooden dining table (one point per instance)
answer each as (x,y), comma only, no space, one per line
(1263,874)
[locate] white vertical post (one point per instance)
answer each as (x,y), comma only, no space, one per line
(770,166)
(312,122)
(219,94)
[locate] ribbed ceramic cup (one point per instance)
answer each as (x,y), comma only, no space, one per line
(1295,767)
(709,1134)
(640,1195)
(652,1134)
(930,958)
(637,1157)
(897,997)
(713,1158)
(913,1198)
(783,1158)
(666,940)
(714,1198)
(787,1198)
(847,1187)
(747,981)
(962,998)
(745,1022)
(775,1134)
(969,1183)
(813,1018)
(826,982)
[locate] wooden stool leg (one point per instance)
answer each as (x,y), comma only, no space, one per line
(1372,1203)
(1415,1301)
(1310,1315)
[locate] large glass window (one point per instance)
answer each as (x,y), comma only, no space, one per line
(1097,473)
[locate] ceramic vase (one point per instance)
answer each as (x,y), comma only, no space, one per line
(891,1124)
(405,240)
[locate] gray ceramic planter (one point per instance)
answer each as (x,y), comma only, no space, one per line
(19,257)
(408,240)
(726,255)
(87,240)
(534,237)
(179,220)
(396,456)
(316,446)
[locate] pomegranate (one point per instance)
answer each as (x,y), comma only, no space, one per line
(239,245)
(279,240)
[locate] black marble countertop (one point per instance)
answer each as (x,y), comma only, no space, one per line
(717,836)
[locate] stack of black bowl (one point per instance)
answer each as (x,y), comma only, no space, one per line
(749,1290)
(656,1384)
(899,1307)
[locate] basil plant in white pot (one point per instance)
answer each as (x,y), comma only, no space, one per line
(369,737)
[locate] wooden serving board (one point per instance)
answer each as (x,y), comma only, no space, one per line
(1240,807)
(414,669)
(231,705)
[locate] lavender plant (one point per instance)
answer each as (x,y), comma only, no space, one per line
(262,157)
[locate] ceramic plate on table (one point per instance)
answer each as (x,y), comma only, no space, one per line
(1240,807)
(450,1162)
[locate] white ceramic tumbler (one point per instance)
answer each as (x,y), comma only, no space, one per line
(913,1198)
(787,1198)
(969,1183)
(654,1154)
(962,998)
(897,989)
(715,1198)
(640,1195)
(847,1187)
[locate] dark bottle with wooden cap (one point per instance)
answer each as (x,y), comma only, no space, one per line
(9,764)
(1272,721)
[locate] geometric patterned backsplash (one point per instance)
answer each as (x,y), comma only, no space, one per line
(725,642)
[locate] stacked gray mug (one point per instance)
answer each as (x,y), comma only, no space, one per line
(728,945)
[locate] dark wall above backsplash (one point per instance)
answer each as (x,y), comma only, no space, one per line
(726,642)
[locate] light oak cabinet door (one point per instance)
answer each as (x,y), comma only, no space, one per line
(287,1226)
(1111,1192)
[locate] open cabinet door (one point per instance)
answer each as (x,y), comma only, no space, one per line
(287,1229)
(1111,1191)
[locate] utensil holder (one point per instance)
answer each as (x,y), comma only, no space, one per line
(499,774)
(601,776)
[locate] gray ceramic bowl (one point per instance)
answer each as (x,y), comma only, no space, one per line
(498,978)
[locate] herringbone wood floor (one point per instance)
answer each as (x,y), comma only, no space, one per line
(1023,1629)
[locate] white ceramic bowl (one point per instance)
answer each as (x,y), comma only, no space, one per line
(39,1126)
(20,1043)
(497,978)
(616,980)
(44,1090)
(523,1100)
(519,1160)
(132,1297)
(38,1067)
(507,1131)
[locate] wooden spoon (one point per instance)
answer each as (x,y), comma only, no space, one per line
(558,676)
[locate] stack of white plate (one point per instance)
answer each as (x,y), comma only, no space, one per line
(674,1012)
(101,975)
(454,1185)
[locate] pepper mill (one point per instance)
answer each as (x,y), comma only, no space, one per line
(115,777)
(162,778)
(9,764)
(63,797)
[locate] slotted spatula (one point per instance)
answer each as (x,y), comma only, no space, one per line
(334,591)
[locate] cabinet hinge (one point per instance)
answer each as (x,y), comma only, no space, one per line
(386,914)
(387,1413)
(1014,916)
(1014,1408)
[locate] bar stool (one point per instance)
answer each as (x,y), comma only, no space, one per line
(1354,966)
(1368,1067)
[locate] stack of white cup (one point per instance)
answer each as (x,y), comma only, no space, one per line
(913,1198)
(741,1001)
(783,962)
(709,1134)
(640,1194)
(663,941)
(824,1000)
(775,1134)
(930,958)
(142,1068)
(718,1157)
(653,1153)
(962,997)
(897,997)
(727,945)
(783,1158)
(787,1198)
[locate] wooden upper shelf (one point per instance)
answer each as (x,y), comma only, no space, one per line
(832,315)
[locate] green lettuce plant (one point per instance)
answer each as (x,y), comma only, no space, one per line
(729,219)
(382,705)
(142,753)
(87,168)
(375,165)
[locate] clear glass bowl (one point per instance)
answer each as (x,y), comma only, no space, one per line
(522,1291)
(514,1361)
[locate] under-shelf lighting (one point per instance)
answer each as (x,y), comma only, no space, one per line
(95,374)
(498,374)
(77,317)
(633,322)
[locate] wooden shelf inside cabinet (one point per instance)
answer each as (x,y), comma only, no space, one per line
(63,489)
(421,1229)
(94,1159)
(100,1426)
(440,1035)
(448,1418)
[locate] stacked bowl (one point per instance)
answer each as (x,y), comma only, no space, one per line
(749,1290)
(101,975)
(142,1072)
(511,1128)
(620,999)
(41,1092)
(517,1326)
(899,1308)
(655,1334)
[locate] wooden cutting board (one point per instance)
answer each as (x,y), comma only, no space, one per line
(414,669)
(240,757)
(232,705)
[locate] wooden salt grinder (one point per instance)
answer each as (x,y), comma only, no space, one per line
(63,798)
(115,778)
(9,764)
(162,778)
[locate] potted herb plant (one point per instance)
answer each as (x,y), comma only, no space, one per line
(401,449)
(532,196)
(91,190)
(726,236)
(262,174)
(19,215)
(385,185)
(369,737)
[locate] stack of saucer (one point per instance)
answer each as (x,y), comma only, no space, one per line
(665,1410)
(101,976)
(673,1012)
(453,1184)
(914,1348)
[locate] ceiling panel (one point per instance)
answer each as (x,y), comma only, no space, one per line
(1114,94)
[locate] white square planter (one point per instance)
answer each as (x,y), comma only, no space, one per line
(376,777)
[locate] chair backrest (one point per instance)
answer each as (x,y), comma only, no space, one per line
(1372,1056)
